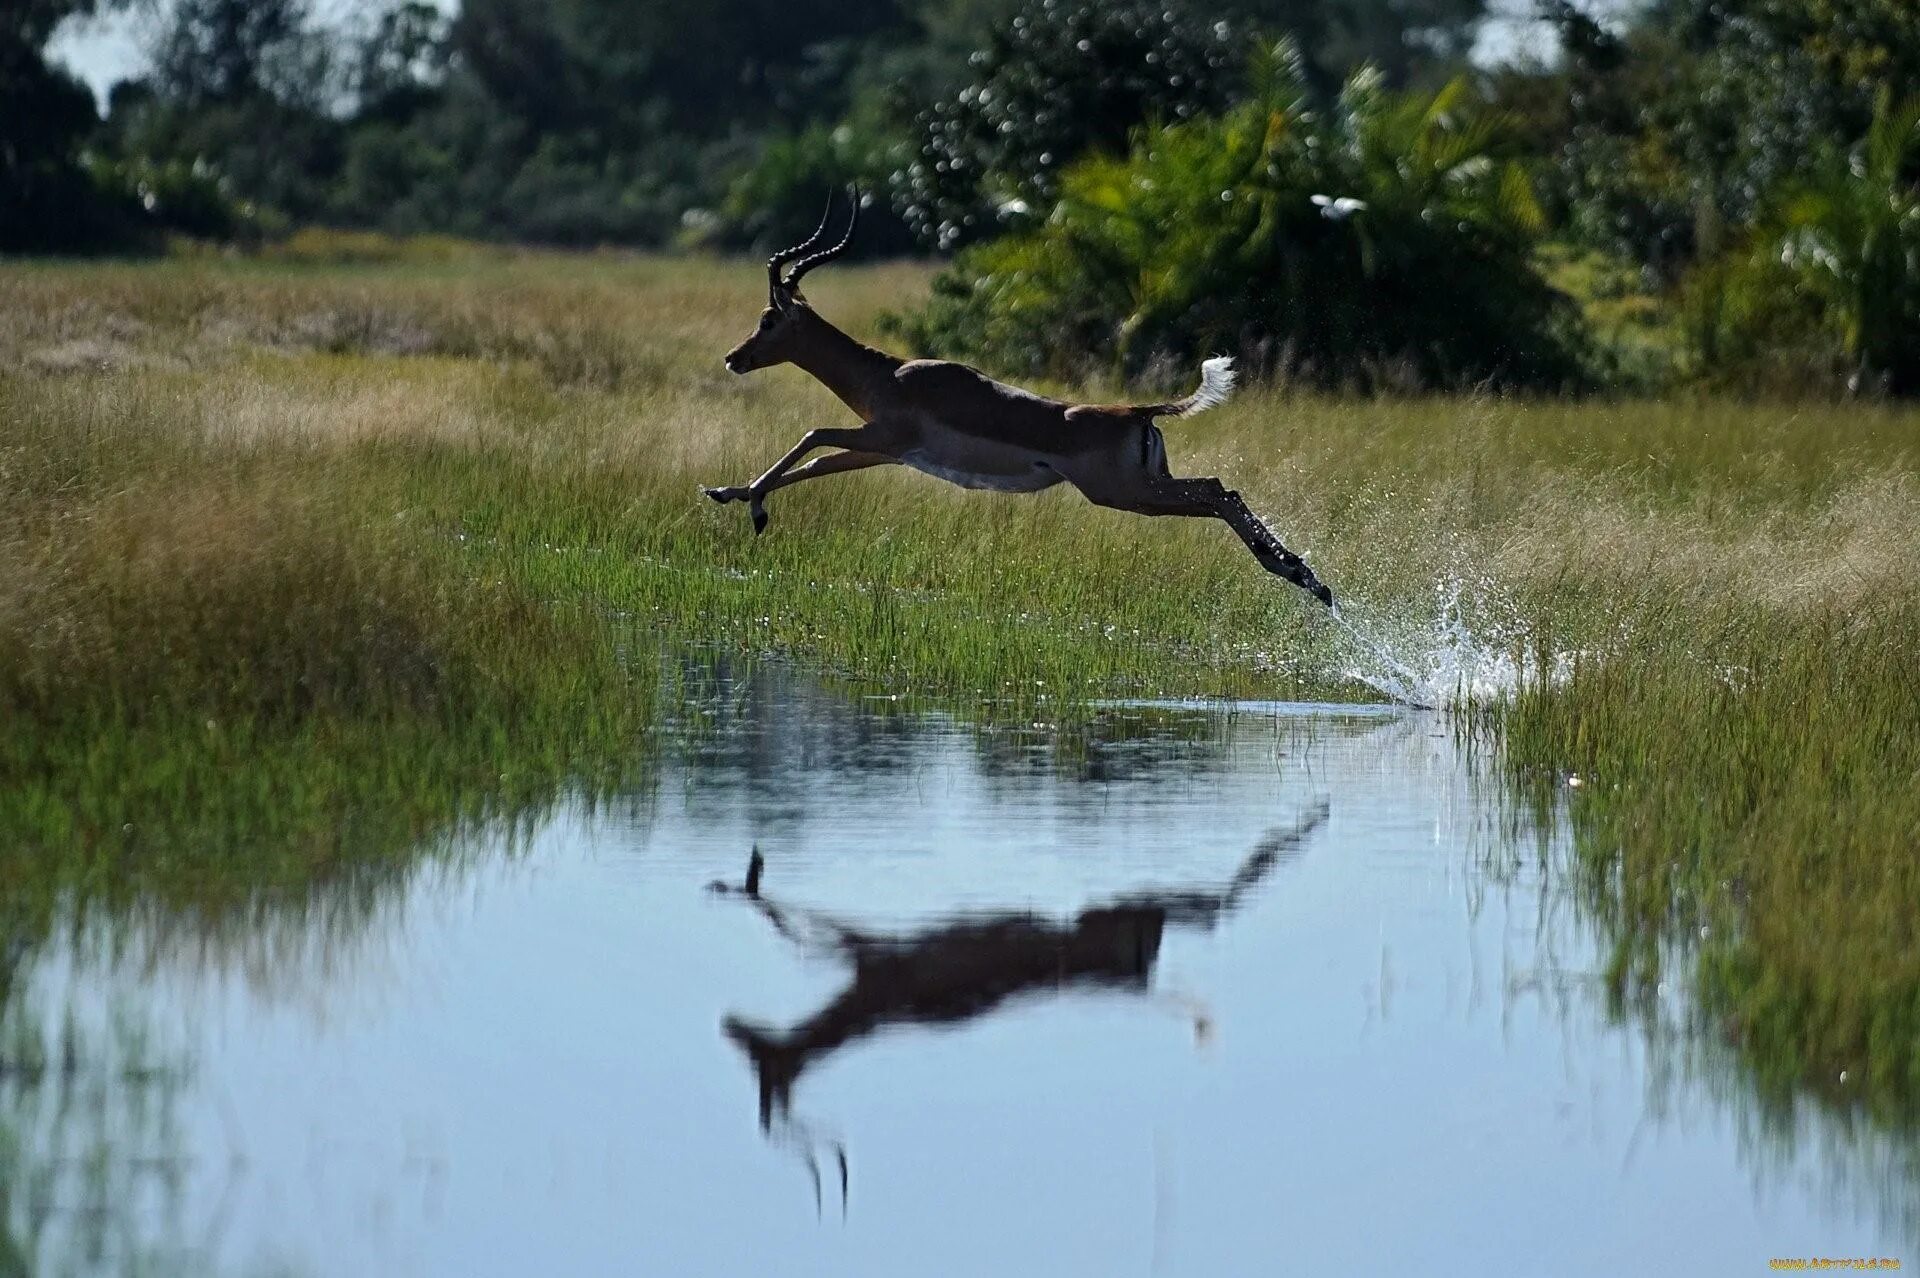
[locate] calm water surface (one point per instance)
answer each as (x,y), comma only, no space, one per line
(1275,990)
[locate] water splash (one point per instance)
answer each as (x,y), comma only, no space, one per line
(1469,649)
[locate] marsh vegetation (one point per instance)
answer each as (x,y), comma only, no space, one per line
(351,559)
(301,564)
(311,575)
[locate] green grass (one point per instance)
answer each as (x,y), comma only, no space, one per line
(1747,806)
(300,563)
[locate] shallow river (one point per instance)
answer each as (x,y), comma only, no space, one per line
(1274,990)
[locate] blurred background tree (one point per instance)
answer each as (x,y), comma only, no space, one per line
(1664,145)
(1688,141)
(1673,133)
(48,203)
(650,121)
(1056,80)
(1379,244)
(243,93)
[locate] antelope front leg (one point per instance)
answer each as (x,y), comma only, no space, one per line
(831,464)
(754,494)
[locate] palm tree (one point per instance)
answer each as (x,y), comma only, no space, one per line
(1851,235)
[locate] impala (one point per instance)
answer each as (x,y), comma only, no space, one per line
(958,424)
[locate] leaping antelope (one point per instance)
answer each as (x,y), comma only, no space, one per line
(958,424)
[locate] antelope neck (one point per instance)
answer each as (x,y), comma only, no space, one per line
(854,371)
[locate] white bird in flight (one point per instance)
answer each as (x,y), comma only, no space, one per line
(1339,210)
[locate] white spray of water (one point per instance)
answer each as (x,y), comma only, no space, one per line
(1467,650)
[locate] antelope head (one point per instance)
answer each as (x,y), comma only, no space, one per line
(781,323)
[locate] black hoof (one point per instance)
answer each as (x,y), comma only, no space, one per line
(1291,568)
(722,495)
(759,519)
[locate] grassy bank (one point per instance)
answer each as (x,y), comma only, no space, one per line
(293,548)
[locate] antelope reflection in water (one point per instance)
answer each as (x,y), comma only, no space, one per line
(961,970)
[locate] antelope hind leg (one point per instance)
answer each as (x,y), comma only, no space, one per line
(1210,496)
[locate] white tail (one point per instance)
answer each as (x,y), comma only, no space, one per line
(1216,387)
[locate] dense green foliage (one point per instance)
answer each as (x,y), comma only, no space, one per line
(1669,135)
(770,204)
(1694,141)
(1832,275)
(1056,82)
(575,121)
(1239,233)
(1721,150)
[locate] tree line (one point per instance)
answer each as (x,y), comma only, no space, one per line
(1744,167)
(551,121)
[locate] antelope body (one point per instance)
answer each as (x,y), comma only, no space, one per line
(955,423)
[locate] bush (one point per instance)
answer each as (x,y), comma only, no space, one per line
(1059,80)
(1241,233)
(1669,135)
(177,196)
(773,203)
(1830,286)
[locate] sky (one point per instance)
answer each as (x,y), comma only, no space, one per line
(103,51)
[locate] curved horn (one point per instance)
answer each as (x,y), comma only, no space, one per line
(786,255)
(806,264)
